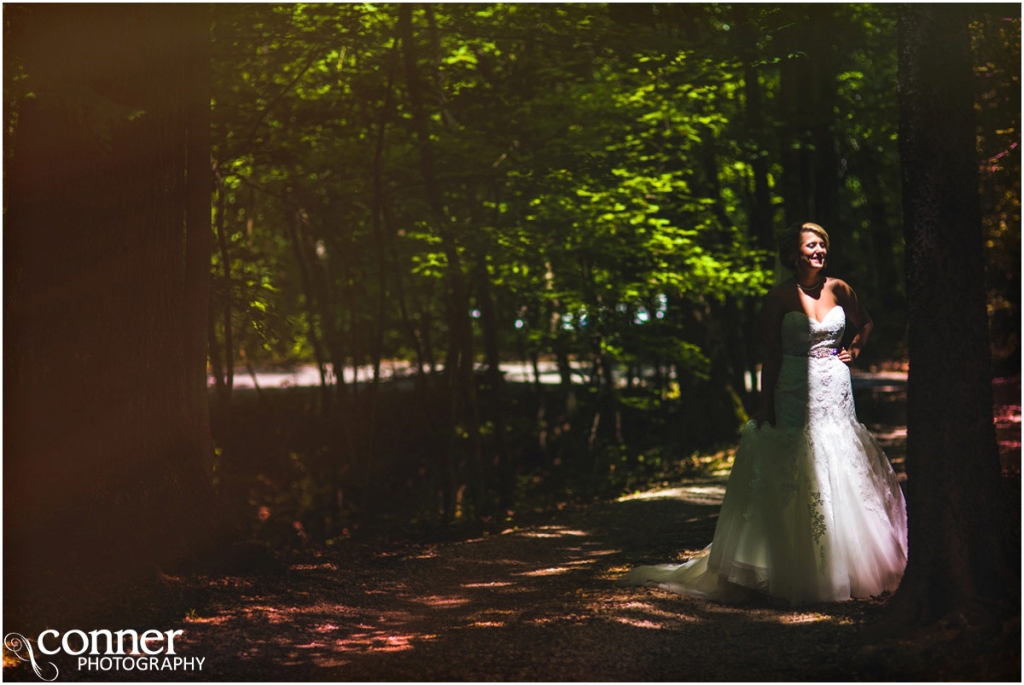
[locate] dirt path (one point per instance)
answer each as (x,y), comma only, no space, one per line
(536,603)
(532,603)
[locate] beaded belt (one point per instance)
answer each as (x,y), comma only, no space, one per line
(822,352)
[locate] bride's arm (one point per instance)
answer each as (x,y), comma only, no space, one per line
(771,333)
(858,316)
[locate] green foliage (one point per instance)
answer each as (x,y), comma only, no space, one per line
(612,177)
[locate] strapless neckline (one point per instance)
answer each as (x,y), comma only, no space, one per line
(811,318)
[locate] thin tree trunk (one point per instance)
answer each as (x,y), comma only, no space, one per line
(225,264)
(407,324)
(216,364)
(252,375)
(311,314)
(461,329)
(761,209)
(488,317)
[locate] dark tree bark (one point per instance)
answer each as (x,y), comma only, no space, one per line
(496,382)
(960,558)
(761,212)
(225,265)
(810,180)
(408,325)
(459,366)
(794,74)
(824,31)
(377,343)
(198,238)
(301,258)
(107,248)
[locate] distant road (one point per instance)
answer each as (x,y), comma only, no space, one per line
(515,372)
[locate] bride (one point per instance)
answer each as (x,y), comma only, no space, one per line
(812,511)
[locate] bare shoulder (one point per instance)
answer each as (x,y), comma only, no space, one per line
(840,289)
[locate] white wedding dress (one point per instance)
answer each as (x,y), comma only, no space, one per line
(812,511)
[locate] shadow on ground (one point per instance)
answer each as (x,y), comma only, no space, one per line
(536,603)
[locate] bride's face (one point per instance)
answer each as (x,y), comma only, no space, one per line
(812,253)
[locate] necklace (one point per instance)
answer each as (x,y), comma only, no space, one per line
(809,288)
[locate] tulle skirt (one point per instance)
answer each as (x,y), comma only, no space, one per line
(811,514)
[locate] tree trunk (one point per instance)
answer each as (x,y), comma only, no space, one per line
(408,325)
(957,507)
(107,250)
(492,353)
(825,198)
(225,265)
(377,219)
(461,329)
(198,236)
(760,208)
(793,92)
(311,311)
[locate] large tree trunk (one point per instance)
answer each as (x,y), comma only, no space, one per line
(959,548)
(825,161)
(107,252)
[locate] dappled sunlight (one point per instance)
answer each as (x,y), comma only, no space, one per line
(326,566)
(516,589)
(637,623)
(693,494)
(472,541)
(601,552)
(494,562)
(491,584)
(619,609)
(546,532)
(442,602)
(270,614)
(326,628)
(552,571)
(208,620)
(614,572)
(795,619)
(491,618)
(378,641)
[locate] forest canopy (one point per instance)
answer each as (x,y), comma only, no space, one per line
(608,172)
(443,187)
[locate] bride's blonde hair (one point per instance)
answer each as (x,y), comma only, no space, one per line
(789,241)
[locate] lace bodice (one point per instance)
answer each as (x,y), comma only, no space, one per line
(813,384)
(802,335)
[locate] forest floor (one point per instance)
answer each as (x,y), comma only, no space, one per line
(538,602)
